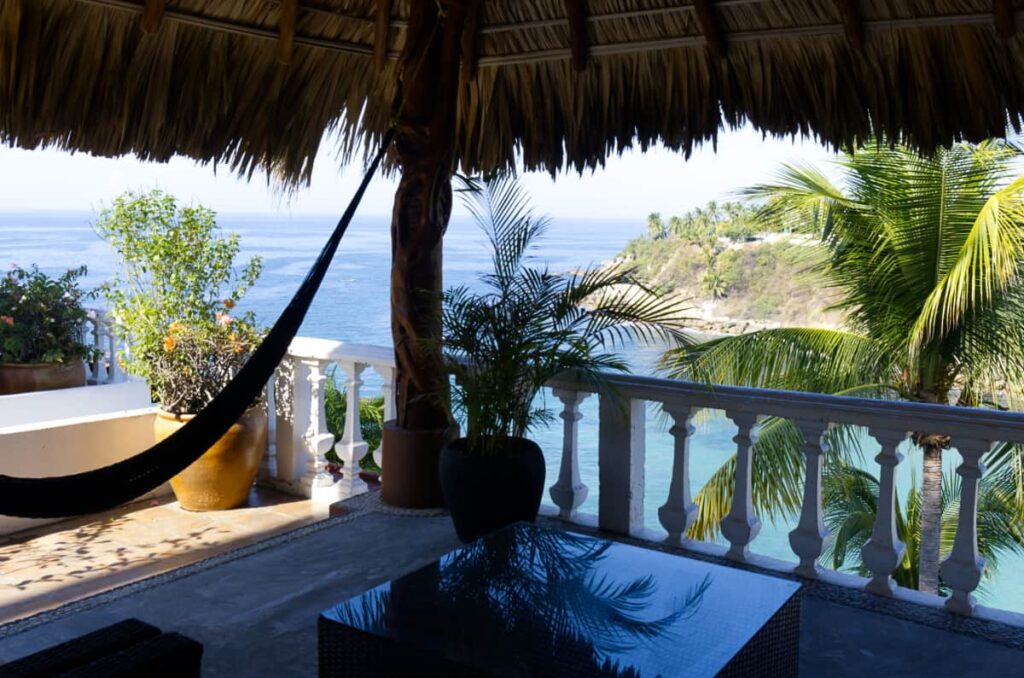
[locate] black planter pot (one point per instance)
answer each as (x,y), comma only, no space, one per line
(486,493)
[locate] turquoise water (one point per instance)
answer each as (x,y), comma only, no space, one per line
(353,306)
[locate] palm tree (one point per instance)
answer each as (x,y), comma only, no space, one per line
(924,254)
(655,226)
(851,502)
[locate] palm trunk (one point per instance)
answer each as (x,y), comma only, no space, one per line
(931,518)
(425,109)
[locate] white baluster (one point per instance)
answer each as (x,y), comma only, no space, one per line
(101,373)
(679,511)
(810,536)
(569,491)
(268,467)
(620,455)
(110,348)
(883,552)
(387,391)
(87,340)
(351,448)
(318,439)
(962,570)
(741,525)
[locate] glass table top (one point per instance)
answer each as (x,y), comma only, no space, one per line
(509,602)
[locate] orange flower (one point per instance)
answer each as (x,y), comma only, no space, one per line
(169,343)
(7,319)
(229,304)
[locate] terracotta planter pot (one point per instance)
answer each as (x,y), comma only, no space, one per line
(409,466)
(25,378)
(222,477)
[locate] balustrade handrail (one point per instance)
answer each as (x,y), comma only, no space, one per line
(329,349)
(890,414)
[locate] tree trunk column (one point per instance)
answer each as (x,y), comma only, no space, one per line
(931,517)
(425,108)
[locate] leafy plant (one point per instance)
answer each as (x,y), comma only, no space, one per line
(371,420)
(172,301)
(42,318)
(924,255)
(851,505)
(529,325)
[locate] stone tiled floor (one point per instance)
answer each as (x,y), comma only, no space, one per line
(58,563)
(256,614)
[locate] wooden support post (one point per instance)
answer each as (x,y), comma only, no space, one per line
(425,108)
(380,34)
(286,30)
(470,40)
(578,42)
(853,23)
(152,14)
(707,19)
(1005,21)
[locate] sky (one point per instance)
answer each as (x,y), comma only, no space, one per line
(629,187)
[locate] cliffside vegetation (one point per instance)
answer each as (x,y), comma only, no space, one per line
(738,270)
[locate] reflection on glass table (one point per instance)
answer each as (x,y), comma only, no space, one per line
(529,601)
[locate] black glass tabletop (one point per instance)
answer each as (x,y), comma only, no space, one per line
(529,600)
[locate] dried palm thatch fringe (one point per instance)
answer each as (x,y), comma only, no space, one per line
(209,82)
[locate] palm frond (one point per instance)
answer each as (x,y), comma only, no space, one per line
(797,359)
(987,263)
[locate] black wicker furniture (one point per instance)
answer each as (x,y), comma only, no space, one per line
(126,649)
(531,601)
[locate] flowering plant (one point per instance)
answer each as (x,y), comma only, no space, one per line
(41,318)
(174,298)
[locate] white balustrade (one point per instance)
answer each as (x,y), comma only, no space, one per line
(884,551)
(302,437)
(318,438)
(962,570)
(621,453)
(351,448)
(741,524)
(569,492)
(810,536)
(620,459)
(98,334)
(679,512)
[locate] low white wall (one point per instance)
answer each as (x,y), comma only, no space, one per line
(71,445)
(24,409)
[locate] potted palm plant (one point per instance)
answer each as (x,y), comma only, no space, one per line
(41,331)
(524,327)
(173,302)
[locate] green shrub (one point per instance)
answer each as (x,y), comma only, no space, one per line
(42,318)
(172,299)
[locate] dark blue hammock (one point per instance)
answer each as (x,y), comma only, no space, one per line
(109,486)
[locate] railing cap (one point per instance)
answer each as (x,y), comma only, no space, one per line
(329,349)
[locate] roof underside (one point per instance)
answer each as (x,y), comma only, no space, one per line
(207,80)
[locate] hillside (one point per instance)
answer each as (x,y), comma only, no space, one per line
(736,276)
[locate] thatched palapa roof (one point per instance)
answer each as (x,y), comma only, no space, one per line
(564,83)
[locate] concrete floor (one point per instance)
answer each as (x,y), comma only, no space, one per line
(256,613)
(62,562)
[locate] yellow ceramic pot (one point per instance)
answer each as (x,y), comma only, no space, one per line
(24,378)
(222,477)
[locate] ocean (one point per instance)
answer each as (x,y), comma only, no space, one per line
(353,306)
